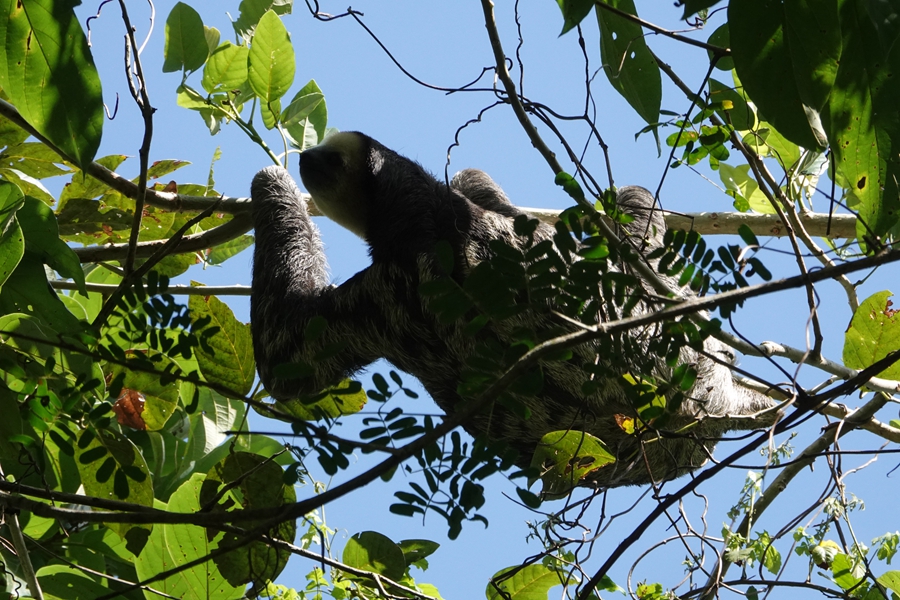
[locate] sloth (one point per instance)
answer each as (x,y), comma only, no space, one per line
(403,212)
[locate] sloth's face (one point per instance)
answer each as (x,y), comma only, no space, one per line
(335,174)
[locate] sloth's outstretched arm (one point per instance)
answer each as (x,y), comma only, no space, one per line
(290,288)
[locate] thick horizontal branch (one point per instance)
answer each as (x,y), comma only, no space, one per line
(714,223)
(190,243)
(184,290)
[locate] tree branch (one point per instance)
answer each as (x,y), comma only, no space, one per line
(715,50)
(126,187)
(780,483)
(189,243)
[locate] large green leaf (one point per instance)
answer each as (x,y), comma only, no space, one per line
(573,11)
(861,122)
(12,241)
(42,238)
(251,481)
(372,551)
(111,466)
(813,34)
(874,333)
(230,361)
(226,69)
(27,291)
(628,62)
(33,159)
(47,70)
(174,545)
(271,59)
(310,130)
(186,46)
(764,64)
(532,582)
(62,582)
(564,458)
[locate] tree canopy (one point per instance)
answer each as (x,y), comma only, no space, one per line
(140,456)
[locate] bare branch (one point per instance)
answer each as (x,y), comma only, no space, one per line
(727,223)
(185,290)
(780,483)
(189,243)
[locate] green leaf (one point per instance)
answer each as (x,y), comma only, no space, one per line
(111,466)
(250,481)
(764,64)
(59,582)
(891,580)
(874,333)
(573,11)
(85,186)
(721,39)
(42,238)
(331,403)
(212,36)
(226,68)
(813,37)
(28,184)
(885,15)
(67,365)
(271,59)
(47,71)
(532,582)
(222,252)
(842,570)
(33,159)
(174,545)
(10,133)
(565,458)
(300,108)
(741,115)
(628,62)
(416,550)
(863,109)
(743,187)
(230,361)
(214,416)
(186,46)
(694,6)
(372,551)
(27,291)
(12,240)
(253,10)
(306,133)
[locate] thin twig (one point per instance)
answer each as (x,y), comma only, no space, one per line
(715,50)
(142,99)
(780,483)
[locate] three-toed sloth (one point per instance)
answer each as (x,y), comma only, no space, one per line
(403,212)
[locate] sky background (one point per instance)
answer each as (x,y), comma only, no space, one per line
(445,44)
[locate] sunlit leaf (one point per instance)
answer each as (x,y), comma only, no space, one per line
(186,46)
(873,334)
(47,70)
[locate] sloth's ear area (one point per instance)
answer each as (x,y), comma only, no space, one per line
(336,174)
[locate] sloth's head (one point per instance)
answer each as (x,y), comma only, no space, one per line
(341,174)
